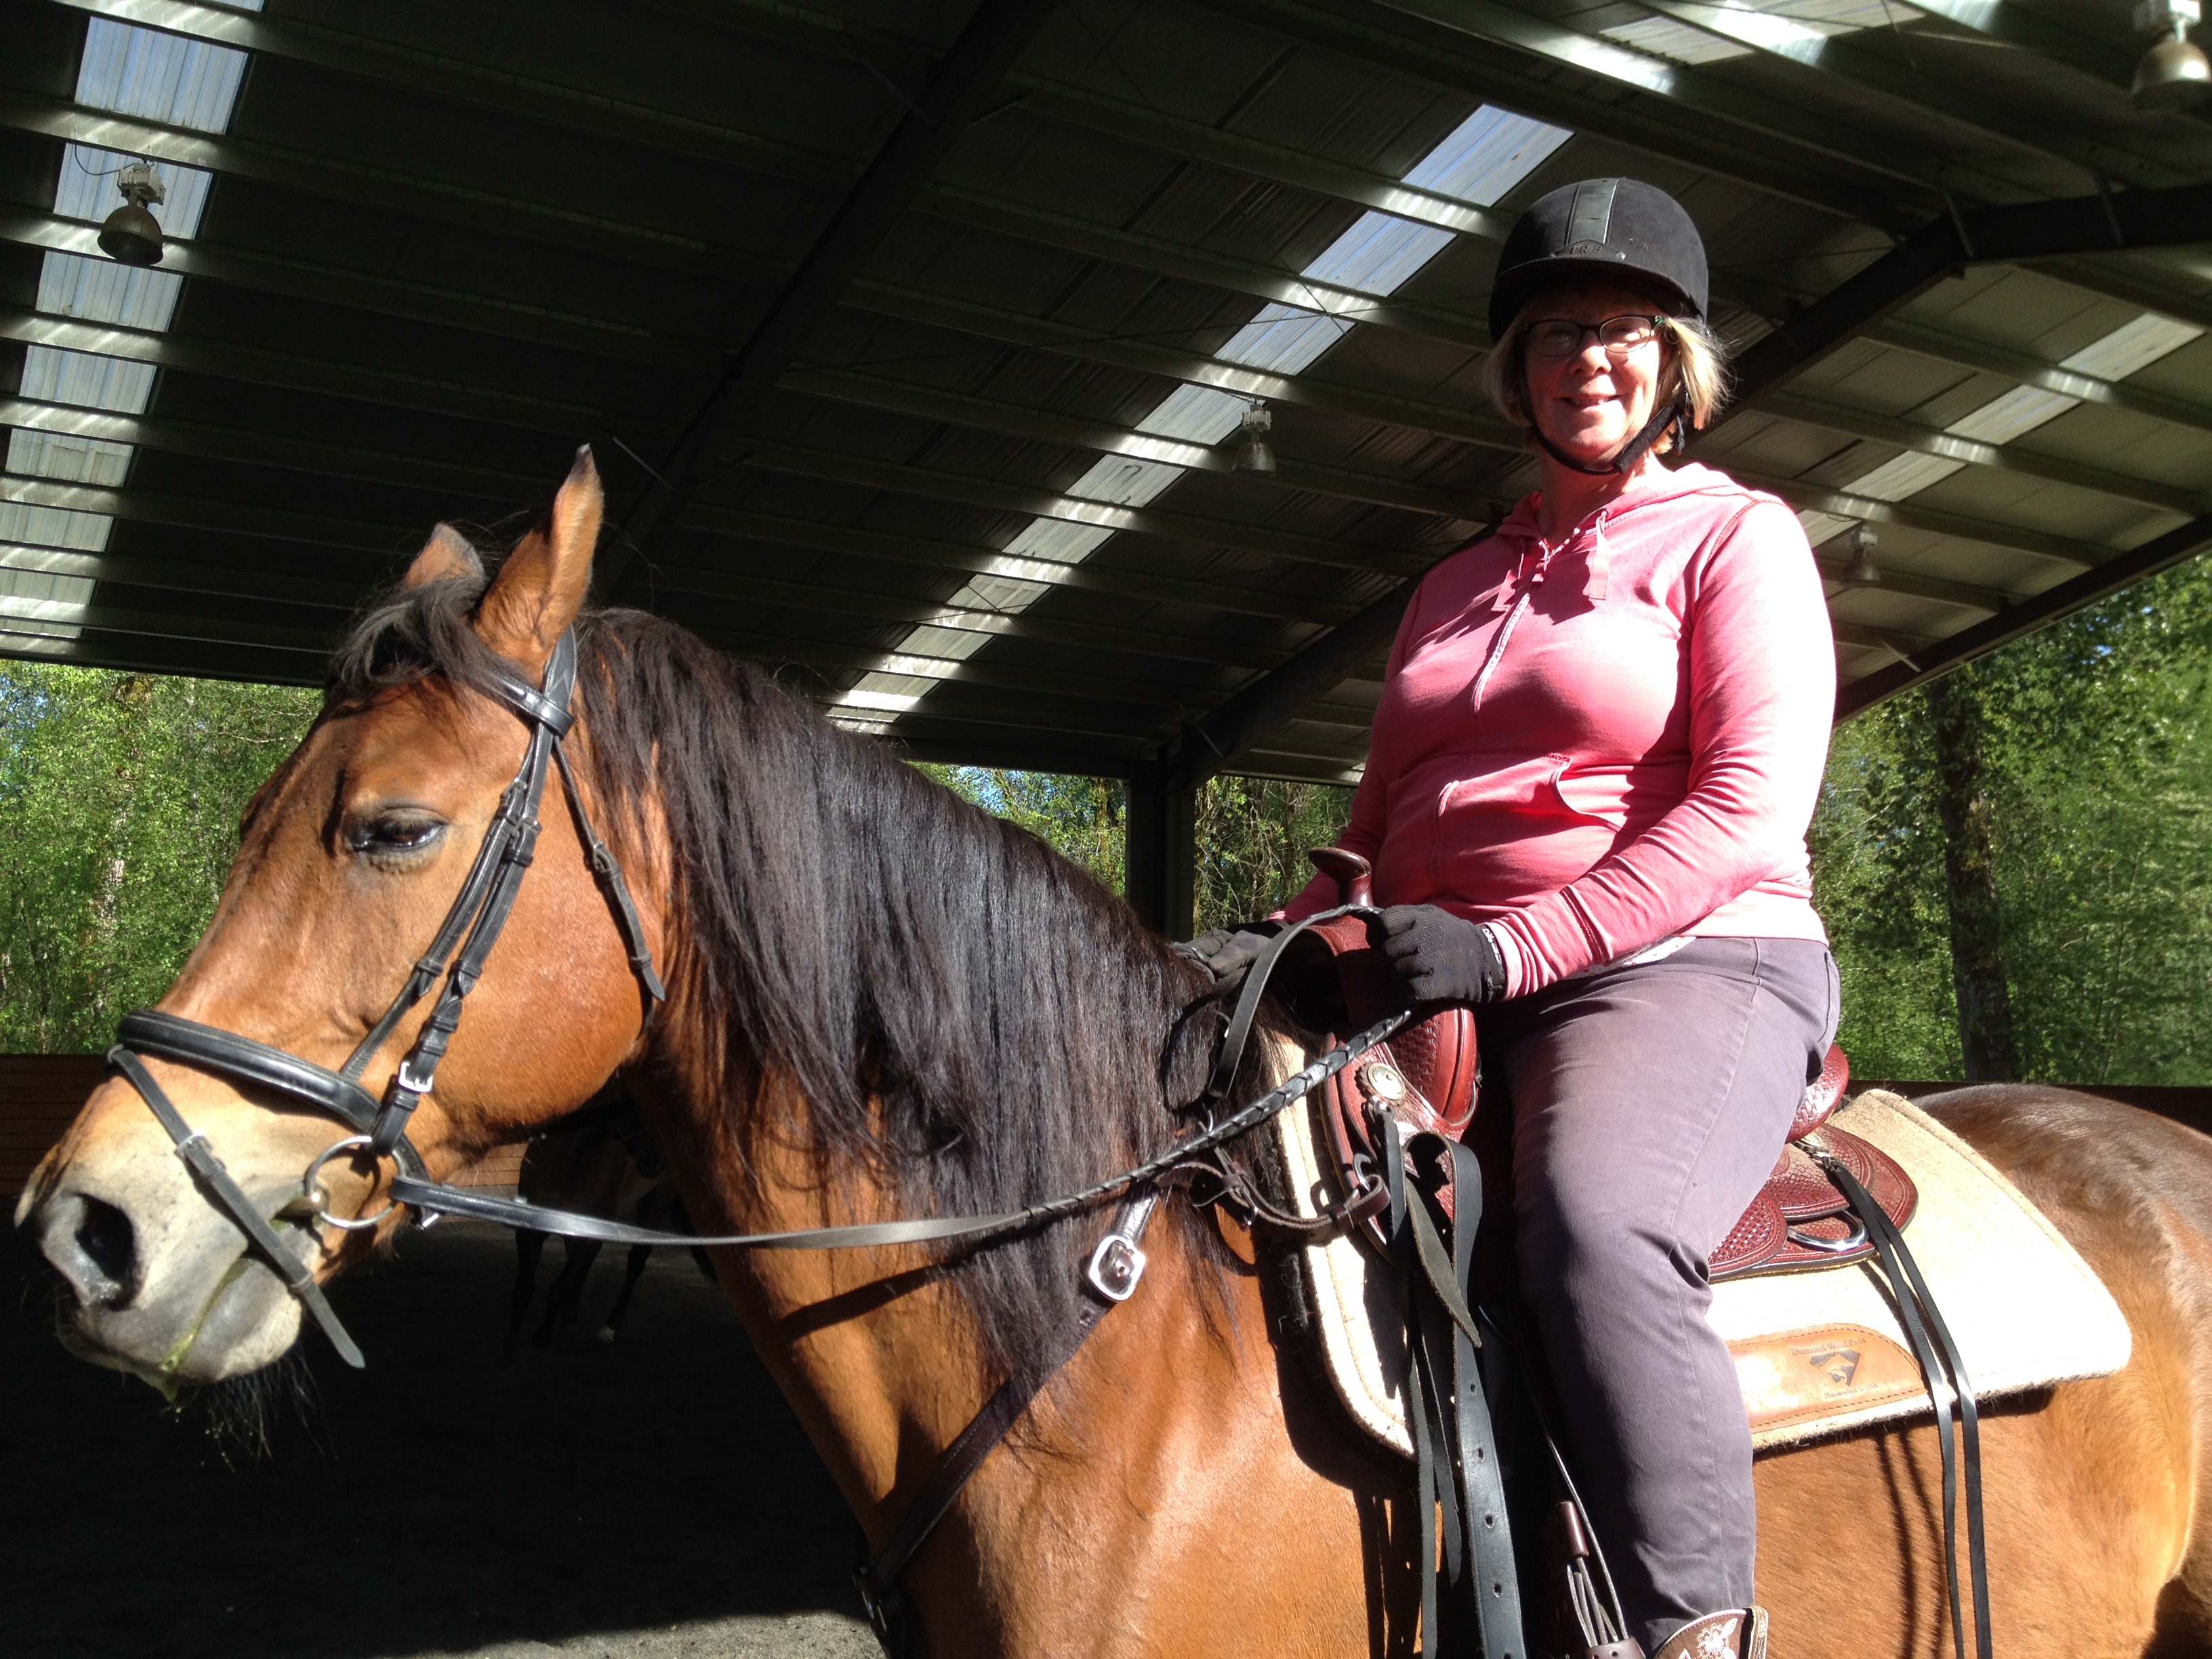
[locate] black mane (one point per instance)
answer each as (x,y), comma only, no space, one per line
(962,1009)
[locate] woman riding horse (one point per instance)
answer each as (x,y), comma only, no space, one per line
(1601,736)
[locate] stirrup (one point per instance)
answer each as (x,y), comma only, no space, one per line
(1734,1633)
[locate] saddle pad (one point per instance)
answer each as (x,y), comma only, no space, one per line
(1817,1353)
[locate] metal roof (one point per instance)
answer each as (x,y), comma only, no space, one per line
(914,338)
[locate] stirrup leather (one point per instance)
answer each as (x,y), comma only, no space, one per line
(1734,1633)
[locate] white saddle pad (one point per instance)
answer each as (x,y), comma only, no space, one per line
(1816,1353)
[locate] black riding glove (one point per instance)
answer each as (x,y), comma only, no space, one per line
(1229,952)
(1442,957)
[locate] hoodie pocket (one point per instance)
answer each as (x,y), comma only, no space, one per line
(1598,797)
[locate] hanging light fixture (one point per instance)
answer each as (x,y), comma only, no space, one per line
(2173,74)
(132,236)
(1254,454)
(1861,571)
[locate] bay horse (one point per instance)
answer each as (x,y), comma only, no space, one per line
(883,1002)
(600,1167)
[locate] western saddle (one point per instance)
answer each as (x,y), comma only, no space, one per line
(1336,980)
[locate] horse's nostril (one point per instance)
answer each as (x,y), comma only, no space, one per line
(104,1234)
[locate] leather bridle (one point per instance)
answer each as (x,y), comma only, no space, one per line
(455,961)
(456,957)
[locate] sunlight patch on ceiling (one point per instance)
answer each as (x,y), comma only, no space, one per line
(1485,156)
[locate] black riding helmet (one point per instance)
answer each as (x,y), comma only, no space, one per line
(1605,230)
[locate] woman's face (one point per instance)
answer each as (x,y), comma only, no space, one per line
(1586,403)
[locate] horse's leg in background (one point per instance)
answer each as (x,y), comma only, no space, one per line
(528,1247)
(639,1255)
(569,1289)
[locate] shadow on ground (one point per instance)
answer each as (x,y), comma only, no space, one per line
(652,1497)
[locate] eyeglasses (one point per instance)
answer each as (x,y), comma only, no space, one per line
(1556,336)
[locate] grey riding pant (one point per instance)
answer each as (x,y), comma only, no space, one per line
(1649,1103)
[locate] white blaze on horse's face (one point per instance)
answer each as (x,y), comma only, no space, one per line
(350,858)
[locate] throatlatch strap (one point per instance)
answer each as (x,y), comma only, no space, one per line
(200,1157)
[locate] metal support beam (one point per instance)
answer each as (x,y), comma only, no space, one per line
(1972,452)
(1909,334)
(1157,257)
(328,35)
(1989,235)
(1383,37)
(1824,62)
(2160,553)
(1855,149)
(994,37)
(1215,742)
(1026,421)
(1161,857)
(1334,552)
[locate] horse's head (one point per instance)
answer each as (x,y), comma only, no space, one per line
(352,855)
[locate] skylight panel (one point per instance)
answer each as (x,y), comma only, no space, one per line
(161,77)
(1487,155)
(2132,346)
(67,456)
(1736,28)
(1485,158)
(87,189)
(102,291)
(2022,410)
(1663,37)
(1197,414)
(2135,346)
(1378,254)
(54,527)
(1283,340)
(41,594)
(1907,475)
(53,375)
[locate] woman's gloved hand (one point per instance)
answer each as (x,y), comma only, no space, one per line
(1443,958)
(1229,952)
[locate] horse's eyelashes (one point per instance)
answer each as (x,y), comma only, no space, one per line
(398,836)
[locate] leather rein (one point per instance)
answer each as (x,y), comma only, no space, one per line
(452,965)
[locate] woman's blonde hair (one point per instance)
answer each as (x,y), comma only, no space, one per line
(1695,372)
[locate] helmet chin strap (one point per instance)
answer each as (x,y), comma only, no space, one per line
(1630,454)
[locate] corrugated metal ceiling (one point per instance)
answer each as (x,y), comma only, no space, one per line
(986,502)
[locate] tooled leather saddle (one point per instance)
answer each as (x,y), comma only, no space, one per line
(1428,1076)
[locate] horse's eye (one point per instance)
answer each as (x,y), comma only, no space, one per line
(396,834)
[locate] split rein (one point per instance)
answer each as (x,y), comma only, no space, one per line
(451,966)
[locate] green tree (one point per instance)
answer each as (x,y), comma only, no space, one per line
(119,803)
(1253,834)
(2097,767)
(1083,819)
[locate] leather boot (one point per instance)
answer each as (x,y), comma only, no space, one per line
(1736,1633)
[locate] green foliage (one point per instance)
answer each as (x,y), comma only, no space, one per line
(1080,818)
(1253,834)
(119,803)
(2098,762)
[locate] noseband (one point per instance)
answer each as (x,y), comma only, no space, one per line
(456,957)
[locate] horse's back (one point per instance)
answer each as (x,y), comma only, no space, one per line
(2093,1488)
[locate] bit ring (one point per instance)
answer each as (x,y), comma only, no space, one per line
(319,1200)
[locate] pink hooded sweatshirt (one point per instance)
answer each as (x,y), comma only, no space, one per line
(1609,743)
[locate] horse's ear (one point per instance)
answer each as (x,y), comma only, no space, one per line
(541,588)
(446,556)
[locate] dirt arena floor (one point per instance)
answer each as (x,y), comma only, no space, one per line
(652,1497)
